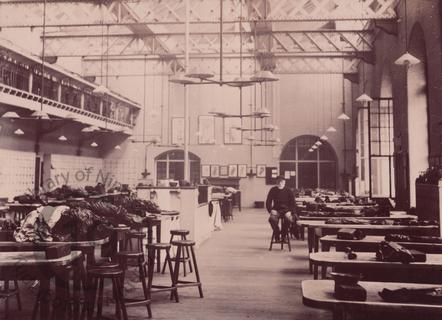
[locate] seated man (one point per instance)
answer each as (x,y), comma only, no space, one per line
(280,203)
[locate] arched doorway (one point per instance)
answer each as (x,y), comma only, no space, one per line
(417,109)
(170,165)
(317,169)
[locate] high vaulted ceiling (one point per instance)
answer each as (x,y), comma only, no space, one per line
(286,36)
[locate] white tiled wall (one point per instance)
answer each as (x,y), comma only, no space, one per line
(124,171)
(77,171)
(17,171)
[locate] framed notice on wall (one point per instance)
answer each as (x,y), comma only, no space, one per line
(233,170)
(205,170)
(206,130)
(214,171)
(242,170)
(223,171)
(260,170)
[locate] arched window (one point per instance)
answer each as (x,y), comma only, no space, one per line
(317,169)
(170,165)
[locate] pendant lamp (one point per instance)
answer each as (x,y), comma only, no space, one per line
(331,129)
(62,138)
(406,59)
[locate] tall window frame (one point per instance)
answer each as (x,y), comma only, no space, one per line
(170,165)
(296,157)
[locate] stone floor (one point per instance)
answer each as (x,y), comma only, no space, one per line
(241,278)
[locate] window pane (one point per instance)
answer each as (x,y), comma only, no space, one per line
(176,170)
(161,170)
(307,175)
(195,172)
(327,177)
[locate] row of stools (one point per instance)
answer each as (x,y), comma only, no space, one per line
(115,272)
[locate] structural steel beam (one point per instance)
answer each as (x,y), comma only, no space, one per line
(84,13)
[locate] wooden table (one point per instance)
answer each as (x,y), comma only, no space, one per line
(367,261)
(302,225)
(371,243)
(317,229)
(86,247)
(320,294)
(31,265)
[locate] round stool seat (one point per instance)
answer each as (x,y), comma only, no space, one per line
(104,265)
(137,234)
(180,232)
(130,254)
(158,246)
(186,243)
(107,272)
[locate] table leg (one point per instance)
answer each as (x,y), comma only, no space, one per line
(158,235)
(315,271)
(310,238)
(301,232)
(61,293)
(44,297)
(323,272)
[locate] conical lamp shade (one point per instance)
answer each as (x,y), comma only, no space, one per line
(343,116)
(264,76)
(117,147)
(62,138)
(318,143)
(101,90)
(331,129)
(94,144)
(19,132)
(181,78)
(407,59)
(324,137)
(40,114)
(10,115)
(90,129)
(310,150)
(314,147)
(364,98)
(241,82)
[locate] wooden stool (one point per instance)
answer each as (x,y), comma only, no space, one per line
(152,248)
(182,233)
(7,293)
(124,258)
(285,236)
(139,236)
(181,245)
(96,278)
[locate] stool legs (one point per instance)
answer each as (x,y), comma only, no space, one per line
(151,267)
(182,283)
(185,258)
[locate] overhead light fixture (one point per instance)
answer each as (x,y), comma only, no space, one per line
(19,132)
(180,78)
(101,90)
(343,116)
(264,112)
(364,98)
(323,137)
(241,82)
(406,59)
(314,147)
(264,76)
(310,150)
(117,147)
(199,75)
(94,144)
(62,138)
(318,143)
(218,113)
(331,129)
(90,129)
(10,115)
(40,115)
